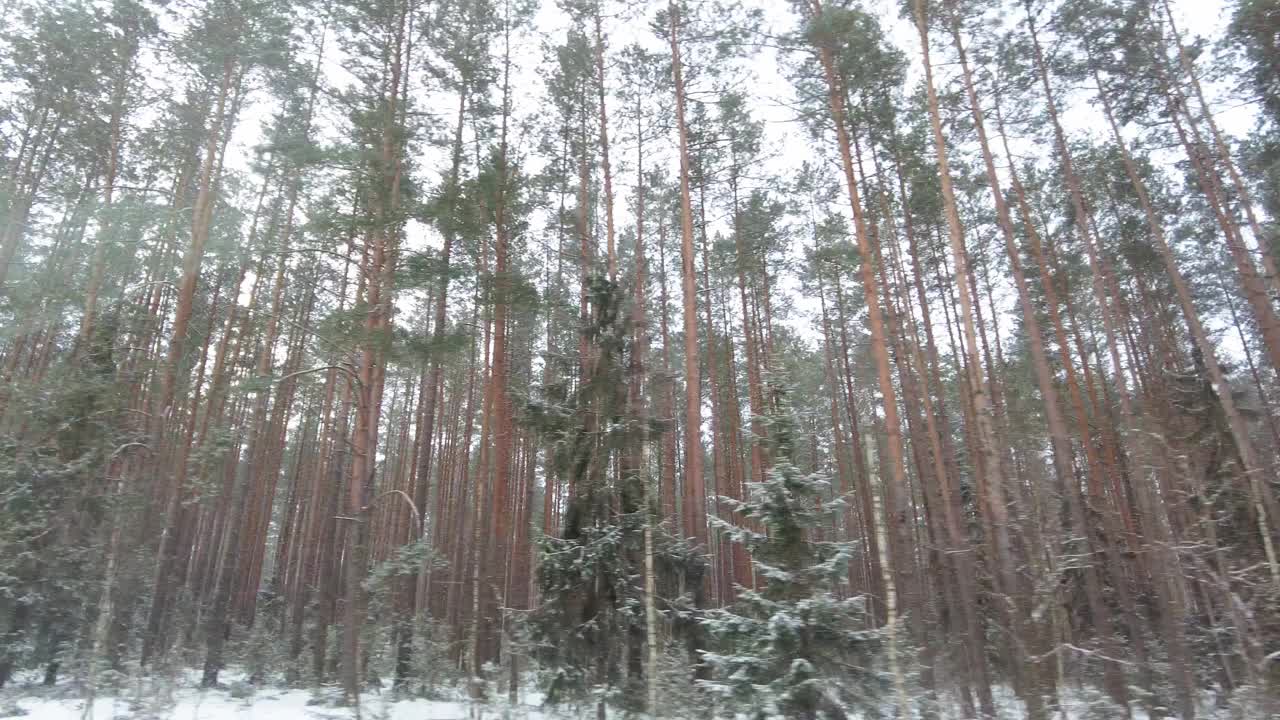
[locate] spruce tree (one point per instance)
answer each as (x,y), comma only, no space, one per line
(590,579)
(794,647)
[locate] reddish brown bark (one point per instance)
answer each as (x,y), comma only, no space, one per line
(694,493)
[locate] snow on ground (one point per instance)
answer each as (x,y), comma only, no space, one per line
(218,705)
(263,704)
(181,699)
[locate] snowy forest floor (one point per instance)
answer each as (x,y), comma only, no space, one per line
(238,700)
(180,698)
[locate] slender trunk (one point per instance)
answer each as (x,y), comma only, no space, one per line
(604,148)
(895,511)
(667,471)
(201,216)
(377,277)
(695,514)
(500,394)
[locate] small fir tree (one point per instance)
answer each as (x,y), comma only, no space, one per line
(794,647)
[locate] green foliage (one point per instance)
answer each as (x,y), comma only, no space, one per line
(1255,27)
(590,580)
(405,562)
(793,647)
(55,499)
